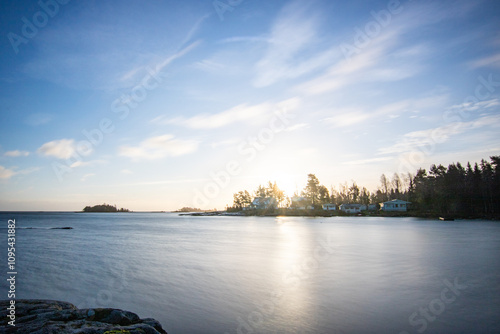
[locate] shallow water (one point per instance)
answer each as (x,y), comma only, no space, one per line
(265,274)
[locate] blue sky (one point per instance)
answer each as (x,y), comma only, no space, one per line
(156,105)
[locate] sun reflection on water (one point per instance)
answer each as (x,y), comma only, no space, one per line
(294,285)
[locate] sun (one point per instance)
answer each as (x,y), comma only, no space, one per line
(289,183)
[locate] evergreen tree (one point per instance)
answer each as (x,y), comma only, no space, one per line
(312,190)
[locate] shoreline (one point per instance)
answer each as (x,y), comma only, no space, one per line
(26,316)
(301,213)
(281,213)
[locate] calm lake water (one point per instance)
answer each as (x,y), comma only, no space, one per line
(266,274)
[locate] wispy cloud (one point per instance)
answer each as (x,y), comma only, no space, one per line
(348,116)
(153,183)
(245,39)
(86,176)
(475,106)
(6,173)
(208,65)
(28,170)
(237,114)
(38,119)
(136,73)
(369,65)
(81,163)
(240,113)
(91,53)
(16,153)
(367,161)
(298,126)
(384,57)
(490,61)
(439,135)
(195,28)
(159,67)
(288,56)
(60,149)
(159,147)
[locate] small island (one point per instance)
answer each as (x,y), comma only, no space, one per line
(104,208)
(190,209)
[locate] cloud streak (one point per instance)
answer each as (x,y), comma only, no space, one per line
(6,173)
(292,34)
(383,57)
(159,147)
(424,138)
(238,114)
(366,66)
(366,161)
(349,116)
(490,61)
(16,153)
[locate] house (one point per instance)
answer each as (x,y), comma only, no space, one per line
(300,203)
(395,205)
(329,207)
(352,208)
(264,203)
(372,207)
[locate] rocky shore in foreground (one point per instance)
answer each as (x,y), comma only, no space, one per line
(34,316)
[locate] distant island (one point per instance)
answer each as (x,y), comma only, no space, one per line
(104,208)
(189,209)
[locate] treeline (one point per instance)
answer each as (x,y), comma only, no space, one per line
(315,194)
(243,198)
(104,208)
(471,191)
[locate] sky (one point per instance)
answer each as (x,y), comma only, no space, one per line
(158,105)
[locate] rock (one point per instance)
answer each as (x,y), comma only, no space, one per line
(49,316)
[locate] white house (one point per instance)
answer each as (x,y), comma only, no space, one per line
(394,205)
(352,208)
(300,203)
(329,207)
(264,203)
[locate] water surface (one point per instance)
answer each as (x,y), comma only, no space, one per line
(265,274)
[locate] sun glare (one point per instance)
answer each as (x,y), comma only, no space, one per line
(288,183)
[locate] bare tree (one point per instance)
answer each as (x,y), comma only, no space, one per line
(396,183)
(384,186)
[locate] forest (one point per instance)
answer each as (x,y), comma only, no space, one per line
(470,191)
